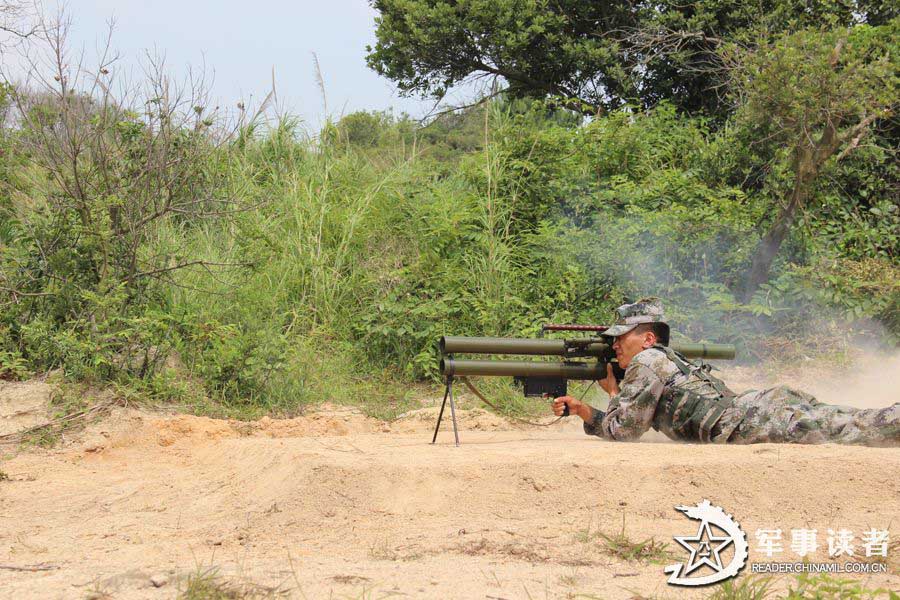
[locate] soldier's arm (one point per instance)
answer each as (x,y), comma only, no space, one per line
(630,412)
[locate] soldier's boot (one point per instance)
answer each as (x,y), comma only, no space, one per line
(874,427)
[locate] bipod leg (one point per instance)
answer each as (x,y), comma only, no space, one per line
(437,425)
(453,412)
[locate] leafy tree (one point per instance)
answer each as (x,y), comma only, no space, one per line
(372,129)
(589,55)
(816,94)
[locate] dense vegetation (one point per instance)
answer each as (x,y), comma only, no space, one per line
(251,266)
(593,56)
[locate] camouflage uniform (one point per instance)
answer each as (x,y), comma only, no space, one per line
(665,391)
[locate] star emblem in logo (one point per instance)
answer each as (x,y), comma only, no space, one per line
(702,547)
(706,546)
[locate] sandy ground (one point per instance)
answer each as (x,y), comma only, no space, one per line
(23,405)
(336,505)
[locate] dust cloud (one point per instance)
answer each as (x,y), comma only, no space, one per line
(873,382)
(870,380)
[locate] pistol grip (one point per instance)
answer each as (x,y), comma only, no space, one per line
(566,412)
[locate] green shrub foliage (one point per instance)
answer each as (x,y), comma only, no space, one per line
(267,268)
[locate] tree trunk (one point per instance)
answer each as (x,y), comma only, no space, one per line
(807,162)
(806,169)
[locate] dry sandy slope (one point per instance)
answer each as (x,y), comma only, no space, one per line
(337,505)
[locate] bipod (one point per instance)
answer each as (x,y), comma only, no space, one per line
(448,393)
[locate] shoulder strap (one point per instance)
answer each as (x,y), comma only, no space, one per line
(681,362)
(687,367)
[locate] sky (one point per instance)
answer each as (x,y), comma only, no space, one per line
(241,41)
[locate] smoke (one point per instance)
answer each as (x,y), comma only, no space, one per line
(873,383)
(803,343)
(870,379)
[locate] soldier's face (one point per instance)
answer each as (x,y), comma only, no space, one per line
(629,344)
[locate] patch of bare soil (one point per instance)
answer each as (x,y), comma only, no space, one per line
(23,404)
(338,505)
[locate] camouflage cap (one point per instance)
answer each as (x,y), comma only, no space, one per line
(629,316)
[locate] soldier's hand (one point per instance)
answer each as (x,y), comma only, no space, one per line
(559,405)
(609,383)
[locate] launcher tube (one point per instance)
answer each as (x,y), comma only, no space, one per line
(521,368)
(492,345)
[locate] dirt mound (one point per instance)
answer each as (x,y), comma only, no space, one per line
(469,419)
(190,429)
(331,505)
(129,428)
(327,420)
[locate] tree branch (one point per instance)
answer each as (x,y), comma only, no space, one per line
(857,133)
(191,263)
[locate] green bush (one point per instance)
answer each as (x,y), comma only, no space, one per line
(354,251)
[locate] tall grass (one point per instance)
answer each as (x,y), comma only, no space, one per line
(358,264)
